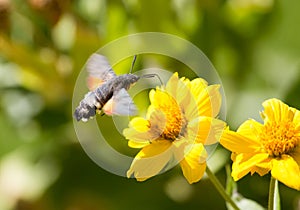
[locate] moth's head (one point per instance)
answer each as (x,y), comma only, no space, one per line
(130,80)
(133,78)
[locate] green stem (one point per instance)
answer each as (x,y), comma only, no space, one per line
(272,193)
(220,188)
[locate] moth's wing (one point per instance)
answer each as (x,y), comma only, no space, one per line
(93,83)
(99,67)
(99,71)
(120,104)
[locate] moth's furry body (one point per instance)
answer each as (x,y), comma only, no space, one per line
(108,92)
(96,99)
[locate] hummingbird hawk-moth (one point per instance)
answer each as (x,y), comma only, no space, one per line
(108,92)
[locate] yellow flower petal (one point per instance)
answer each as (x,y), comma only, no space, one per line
(276,110)
(179,90)
(296,155)
(193,165)
(189,106)
(286,170)
(260,171)
(251,129)
(151,95)
(197,86)
(245,163)
(132,134)
(140,124)
(266,164)
(160,98)
(171,86)
(150,160)
(183,95)
(238,143)
(205,130)
(209,101)
(138,130)
(296,119)
(136,144)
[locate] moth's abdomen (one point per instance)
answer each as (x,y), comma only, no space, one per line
(84,112)
(92,102)
(87,107)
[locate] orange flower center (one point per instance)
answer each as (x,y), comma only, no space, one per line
(279,138)
(175,121)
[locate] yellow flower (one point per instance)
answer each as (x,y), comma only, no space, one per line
(179,122)
(273,146)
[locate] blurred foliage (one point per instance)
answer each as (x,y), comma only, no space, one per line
(44,44)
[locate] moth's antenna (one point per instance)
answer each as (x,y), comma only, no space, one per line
(153,75)
(146,75)
(132,64)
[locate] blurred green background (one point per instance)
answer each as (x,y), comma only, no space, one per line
(254,45)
